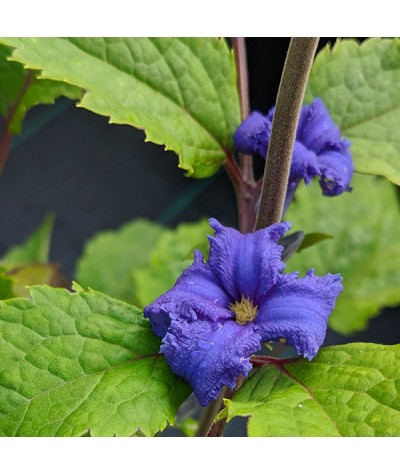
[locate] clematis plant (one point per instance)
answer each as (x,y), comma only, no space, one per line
(218,313)
(148,337)
(319,149)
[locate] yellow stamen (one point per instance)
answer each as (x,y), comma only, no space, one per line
(245,311)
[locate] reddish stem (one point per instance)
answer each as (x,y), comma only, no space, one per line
(7,136)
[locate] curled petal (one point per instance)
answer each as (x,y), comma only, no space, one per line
(316,129)
(246,264)
(337,170)
(298,311)
(196,293)
(304,165)
(210,355)
(252,136)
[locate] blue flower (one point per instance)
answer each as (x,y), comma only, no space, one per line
(319,149)
(218,313)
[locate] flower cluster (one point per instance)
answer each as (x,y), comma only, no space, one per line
(319,149)
(218,313)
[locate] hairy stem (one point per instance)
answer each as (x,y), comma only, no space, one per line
(284,126)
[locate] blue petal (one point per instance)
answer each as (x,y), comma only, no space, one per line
(246,264)
(252,135)
(304,164)
(298,311)
(336,168)
(316,129)
(210,355)
(195,293)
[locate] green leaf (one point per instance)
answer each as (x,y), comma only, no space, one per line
(365,250)
(36,247)
(26,276)
(21,90)
(6,285)
(172,254)
(110,257)
(73,363)
(360,86)
(311,239)
(182,91)
(348,390)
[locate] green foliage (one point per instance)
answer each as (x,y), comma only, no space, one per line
(36,247)
(21,90)
(171,255)
(141,260)
(73,363)
(181,91)
(110,257)
(348,390)
(365,250)
(360,86)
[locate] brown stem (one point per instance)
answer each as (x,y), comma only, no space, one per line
(6,138)
(247,194)
(284,126)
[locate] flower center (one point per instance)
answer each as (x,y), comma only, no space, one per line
(245,311)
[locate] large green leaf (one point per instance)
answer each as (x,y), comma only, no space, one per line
(21,90)
(365,250)
(172,254)
(73,363)
(35,249)
(360,86)
(349,390)
(110,257)
(182,91)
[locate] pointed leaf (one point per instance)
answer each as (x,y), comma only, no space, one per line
(20,90)
(348,390)
(360,86)
(36,247)
(73,363)
(182,91)
(109,258)
(365,250)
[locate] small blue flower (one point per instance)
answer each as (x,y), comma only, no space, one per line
(319,149)
(218,313)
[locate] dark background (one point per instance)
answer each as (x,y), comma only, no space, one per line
(96,176)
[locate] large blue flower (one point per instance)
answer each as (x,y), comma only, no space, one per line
(319,149)
(218,313)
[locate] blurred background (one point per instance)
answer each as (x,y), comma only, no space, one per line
(95,176)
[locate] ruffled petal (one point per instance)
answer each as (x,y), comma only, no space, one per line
(210,355)
(304,165)
(196,293)
(316,129)
(336,166)
(298,311)
(252,135)
(246,264)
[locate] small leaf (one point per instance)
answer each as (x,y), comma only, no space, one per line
(74,363)
(168,259)
(348,390)
(26,276)
(291,243)
(36,247)
(366,250)
(21,90)
(310,239)
(110,257)
(360,86)
(181,91)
